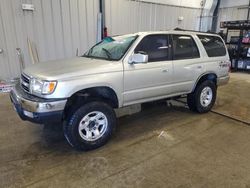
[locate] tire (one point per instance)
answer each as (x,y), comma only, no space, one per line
(203,97)
(82,125)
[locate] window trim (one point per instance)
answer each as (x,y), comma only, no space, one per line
(169,58)
(173,51)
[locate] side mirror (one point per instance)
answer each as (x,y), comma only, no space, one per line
(138,58)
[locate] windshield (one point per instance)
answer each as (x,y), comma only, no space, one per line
(111,48)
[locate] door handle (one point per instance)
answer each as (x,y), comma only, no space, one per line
(199,67)
(1,50)
(165,70)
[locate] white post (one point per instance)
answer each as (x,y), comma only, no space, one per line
(99,27)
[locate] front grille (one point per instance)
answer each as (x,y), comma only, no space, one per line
(25,83)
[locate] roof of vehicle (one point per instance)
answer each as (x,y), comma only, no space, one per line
(176,31)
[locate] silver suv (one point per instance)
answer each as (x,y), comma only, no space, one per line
(82,93)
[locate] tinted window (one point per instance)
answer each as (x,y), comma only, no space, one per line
(184,47)
(155,46)
(213,45)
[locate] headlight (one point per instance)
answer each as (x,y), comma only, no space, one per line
(42,87)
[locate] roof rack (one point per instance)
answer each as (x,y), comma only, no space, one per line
(180,29)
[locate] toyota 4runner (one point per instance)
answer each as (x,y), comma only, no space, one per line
(82,93)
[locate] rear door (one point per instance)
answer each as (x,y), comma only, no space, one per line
(187,63)
(151,80)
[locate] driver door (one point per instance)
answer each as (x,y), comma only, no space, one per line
(152,80)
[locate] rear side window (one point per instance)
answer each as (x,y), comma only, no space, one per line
(184,47)
(155,46)
(213,45)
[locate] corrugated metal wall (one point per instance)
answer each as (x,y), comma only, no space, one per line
(59,27)
(231,14)
(56,27)
(128,16)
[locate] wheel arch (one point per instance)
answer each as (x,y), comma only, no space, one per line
(101,93)
(206,76)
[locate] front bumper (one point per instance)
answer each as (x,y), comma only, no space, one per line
(222,80)
(35,109)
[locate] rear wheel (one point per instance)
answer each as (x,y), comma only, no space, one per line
(203,97)
(90,126)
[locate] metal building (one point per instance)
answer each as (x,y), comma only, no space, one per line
(57,29)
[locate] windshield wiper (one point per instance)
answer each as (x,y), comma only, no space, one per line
(109,55)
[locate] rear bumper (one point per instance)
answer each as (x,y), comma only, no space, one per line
(222,80)
(36,109)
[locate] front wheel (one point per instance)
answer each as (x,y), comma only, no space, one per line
(90,126)
(203,97)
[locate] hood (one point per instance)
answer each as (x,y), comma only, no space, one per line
(67,68)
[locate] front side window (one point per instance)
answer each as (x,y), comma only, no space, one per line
(155,46)
(213,45)
(184,47)
(111,48)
